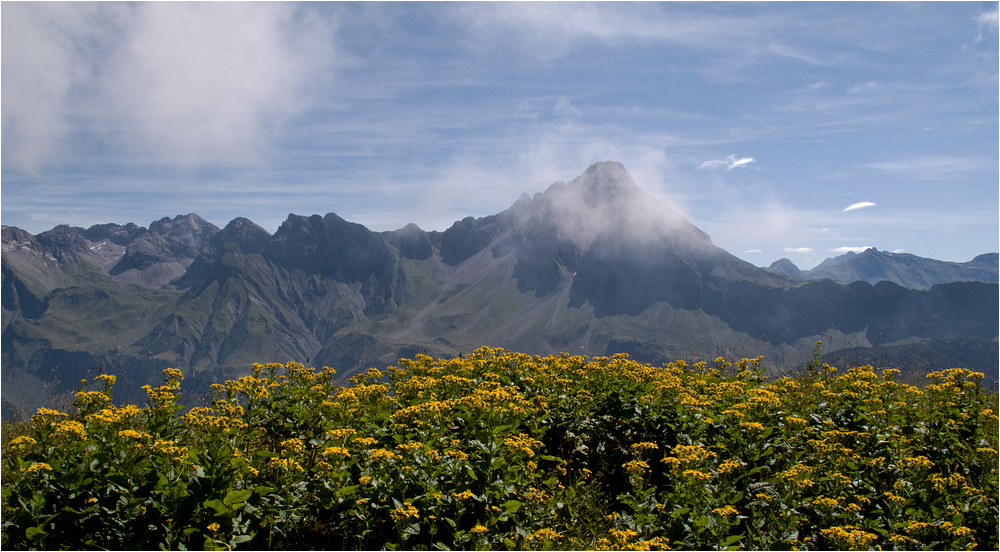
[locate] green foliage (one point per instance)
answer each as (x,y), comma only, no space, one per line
(501,450)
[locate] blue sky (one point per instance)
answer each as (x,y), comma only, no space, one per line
(799,130)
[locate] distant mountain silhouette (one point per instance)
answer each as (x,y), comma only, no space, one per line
(907,270)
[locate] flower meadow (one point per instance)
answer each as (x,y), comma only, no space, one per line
(502,450)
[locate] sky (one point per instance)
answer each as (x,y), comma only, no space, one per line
(797,130)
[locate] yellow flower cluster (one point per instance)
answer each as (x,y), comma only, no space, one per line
(540,536)
(71,427)
(38,467)
(726,511)
(522,443)
(22,442)
(405,512)
(642,447)
(133,434)
(635,467)
(84,398)
(284,464)
(336,451)
(293,446)
(729,466)
(341,433)
(826,503)
(410,447)
(383,455)
(698,476)
(849,537)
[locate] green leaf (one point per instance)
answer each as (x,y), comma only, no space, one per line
(217,507)
(512,506)
(237,496)
(346,490)
(732,539)
(35,533)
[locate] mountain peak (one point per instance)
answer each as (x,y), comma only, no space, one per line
(605,182)
(785,267)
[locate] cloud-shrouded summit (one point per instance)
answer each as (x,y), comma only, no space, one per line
(754,121)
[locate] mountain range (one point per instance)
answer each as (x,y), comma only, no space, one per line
(594,266)
(907,270)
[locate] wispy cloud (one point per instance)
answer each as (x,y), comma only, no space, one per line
(851,249)
(988,22)
(861,88)
(858,205)
(729,163)
(933,167)
(754,251)
(798,250)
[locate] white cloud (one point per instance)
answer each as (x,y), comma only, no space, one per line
(858,205)
(727,164)
(754,251)
(988,21)
(178,83)
(851,249)
(41,64)
(798,250)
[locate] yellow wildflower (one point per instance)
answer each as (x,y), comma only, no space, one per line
(635,467)
(38,467)
(404,512)
(699,476)
(173,373)
(383,454)
(639,448)
(336,451)
(22,442)
(293,446)
(726,511)
(729,466)
(71,427)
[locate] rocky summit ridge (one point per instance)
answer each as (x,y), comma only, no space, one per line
(592,266)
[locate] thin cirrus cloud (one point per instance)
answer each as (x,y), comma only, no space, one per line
(851,249)
(858,205)
(934,167)
(729,163)
(798,250)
